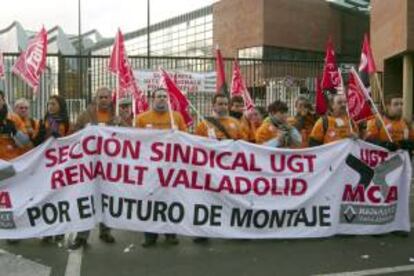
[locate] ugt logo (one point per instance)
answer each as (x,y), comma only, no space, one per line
(372,185)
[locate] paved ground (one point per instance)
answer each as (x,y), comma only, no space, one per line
(219,257)
(389,255)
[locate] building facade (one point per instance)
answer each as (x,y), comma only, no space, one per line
(392,36)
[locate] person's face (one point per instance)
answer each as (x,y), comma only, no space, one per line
(103,99)
(237,107)
(339,105)
(125,110)
(302,107)
(53,106)
(22,110)
(281,116)
(395,107)
(160,101)
(254,117)
(221,106)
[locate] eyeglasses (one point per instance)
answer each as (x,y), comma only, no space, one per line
(103,97)
(161,97)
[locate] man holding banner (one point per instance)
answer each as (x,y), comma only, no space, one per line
(250,122)
(125,111)
(400,131)
(160,117)
(333,127)
(101,112)
(236,107)
(239,112)
(304,120)
(220,126)
(275,130)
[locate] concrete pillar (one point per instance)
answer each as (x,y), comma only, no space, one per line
(408,75)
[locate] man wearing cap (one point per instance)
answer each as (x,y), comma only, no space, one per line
(125,111)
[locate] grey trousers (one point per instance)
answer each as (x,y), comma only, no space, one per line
(103,229)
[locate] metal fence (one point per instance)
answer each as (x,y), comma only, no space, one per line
(77,78)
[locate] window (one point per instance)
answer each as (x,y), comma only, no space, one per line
(252,52)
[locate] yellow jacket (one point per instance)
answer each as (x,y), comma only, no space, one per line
(231,125)
(157,120)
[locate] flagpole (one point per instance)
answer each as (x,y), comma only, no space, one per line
(6,93)
(199,116)
(170,111)
(80,75)
(349,119)
(378,115)
(148,36)
(5,79)
(134,112)
(117,75)
(117,96)
(380,90)
(347,108)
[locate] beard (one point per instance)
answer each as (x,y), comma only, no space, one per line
(104,106)
(160,107)
(222,113)
(397,116)
(236,114)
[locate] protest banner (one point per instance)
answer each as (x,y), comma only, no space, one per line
(168,181)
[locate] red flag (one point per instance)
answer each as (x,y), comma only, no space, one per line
(238,87)
(320,102)
(119,65)
(141,103)
(138,96)
(117,62)
(359,103)
(367,63)
(2,69)
(330,78)
(178,101)
(32,62)
(221,85)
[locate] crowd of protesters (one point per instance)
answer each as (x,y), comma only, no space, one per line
(228,120)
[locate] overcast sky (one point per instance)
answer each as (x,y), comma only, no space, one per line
(104,15)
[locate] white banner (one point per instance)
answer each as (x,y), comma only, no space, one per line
(188,82)
(174,182)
